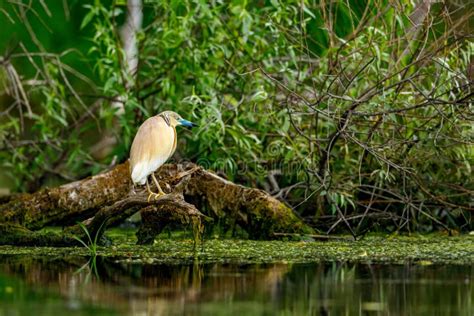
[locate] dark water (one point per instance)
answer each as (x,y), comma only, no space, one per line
(31,286)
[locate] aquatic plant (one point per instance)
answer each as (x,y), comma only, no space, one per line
(89,243)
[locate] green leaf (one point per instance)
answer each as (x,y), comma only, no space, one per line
(88,18)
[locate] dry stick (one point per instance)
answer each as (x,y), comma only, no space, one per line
(367,208)
(343,123)
(366,95)
(341,127)
(440,200)
(417,106)
(342,218)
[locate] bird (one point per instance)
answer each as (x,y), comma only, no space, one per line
(153,145)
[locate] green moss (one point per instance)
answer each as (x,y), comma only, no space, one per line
(179,249)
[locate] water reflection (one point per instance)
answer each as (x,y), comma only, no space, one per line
(42,286)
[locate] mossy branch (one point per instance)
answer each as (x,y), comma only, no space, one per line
(109,198)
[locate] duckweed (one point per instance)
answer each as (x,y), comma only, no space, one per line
(178,249)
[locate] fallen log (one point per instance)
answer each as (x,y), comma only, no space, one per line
(109,198)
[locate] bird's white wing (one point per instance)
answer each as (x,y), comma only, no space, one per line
(151,148)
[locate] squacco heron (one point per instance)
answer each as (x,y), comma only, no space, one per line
(153,145)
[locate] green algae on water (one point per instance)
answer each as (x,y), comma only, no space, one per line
(423,250)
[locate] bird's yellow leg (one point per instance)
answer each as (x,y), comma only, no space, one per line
(151,193)
(160,191)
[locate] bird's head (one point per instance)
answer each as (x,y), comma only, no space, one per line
(174,119)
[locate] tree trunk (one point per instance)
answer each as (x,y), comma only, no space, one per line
(109,198)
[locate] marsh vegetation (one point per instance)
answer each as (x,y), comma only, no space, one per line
(356,114)
(340,132)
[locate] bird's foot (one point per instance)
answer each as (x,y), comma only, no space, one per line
(155,196)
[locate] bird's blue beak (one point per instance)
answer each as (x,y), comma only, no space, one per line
(186,123)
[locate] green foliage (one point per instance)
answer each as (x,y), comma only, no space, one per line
(341,109)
